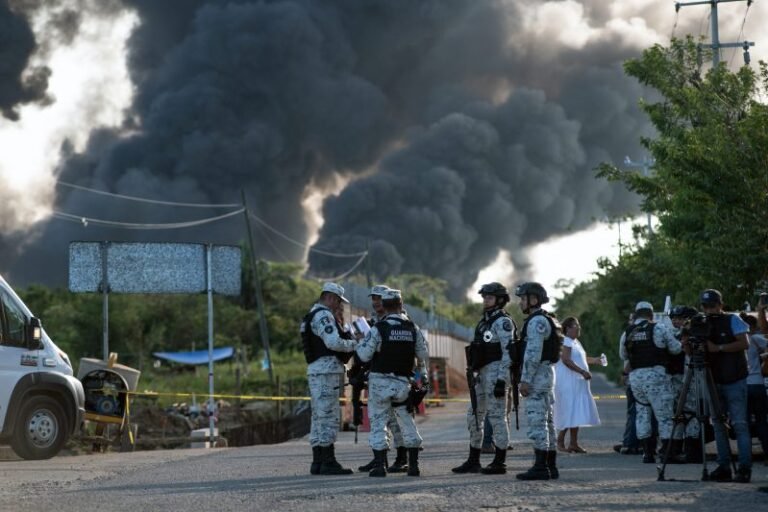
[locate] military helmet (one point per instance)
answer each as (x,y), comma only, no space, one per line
(533,288)
(496,289)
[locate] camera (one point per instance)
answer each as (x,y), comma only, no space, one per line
(698,331)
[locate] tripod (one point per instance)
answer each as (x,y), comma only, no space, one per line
(698,380)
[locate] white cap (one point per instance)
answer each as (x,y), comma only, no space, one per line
(378,289)
(335,288)
(391,294)
(643,305)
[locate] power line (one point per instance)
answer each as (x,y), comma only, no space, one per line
(301,244)
(741,31)
(345,274)
(143,200)
(141,226)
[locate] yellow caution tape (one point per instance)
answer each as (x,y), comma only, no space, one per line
(305,398)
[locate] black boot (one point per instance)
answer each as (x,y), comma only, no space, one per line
(743,475)
(366,468)
(413,462)
(472,464)
(401,461)
(380,463)
(554,473)
(539,471)
(721,474)
(497,466)
(329,465)
(649,450)
(693,450)
(316,459)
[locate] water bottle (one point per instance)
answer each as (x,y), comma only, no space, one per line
(603,360)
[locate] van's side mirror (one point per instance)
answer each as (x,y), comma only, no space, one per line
(34,334)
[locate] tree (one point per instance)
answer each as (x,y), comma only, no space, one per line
(710,185)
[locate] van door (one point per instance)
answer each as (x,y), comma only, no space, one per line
(15,360)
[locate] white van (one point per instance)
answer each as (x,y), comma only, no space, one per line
(41,402)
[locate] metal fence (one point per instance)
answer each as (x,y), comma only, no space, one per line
(358,297)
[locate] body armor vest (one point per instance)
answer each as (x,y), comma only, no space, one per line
(313,345)
(481,352)
(550,351)
(643,352)
(727,367)
(398,348)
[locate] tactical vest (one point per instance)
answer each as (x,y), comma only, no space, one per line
(480,352)
(643,352)
(398,347)
(313,345)
(550,352)
(727,367)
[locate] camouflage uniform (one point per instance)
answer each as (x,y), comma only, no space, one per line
(651,386)
(326,376)
(540,376)
(501,331)
(386,389)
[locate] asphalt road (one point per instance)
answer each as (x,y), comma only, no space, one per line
(276,478)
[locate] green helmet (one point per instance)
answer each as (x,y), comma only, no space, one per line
(533,288)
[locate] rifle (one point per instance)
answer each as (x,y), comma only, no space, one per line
(471,385)
(514,373)
(358,379)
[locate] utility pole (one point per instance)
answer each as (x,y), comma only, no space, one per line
(259,295)
(716,44)
(645,165)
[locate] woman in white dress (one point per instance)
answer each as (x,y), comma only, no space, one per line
(574,405)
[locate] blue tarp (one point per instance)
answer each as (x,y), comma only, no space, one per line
(196,357)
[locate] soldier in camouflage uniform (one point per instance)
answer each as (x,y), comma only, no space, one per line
(391,346)
(326,352)
(489,357)
(541,339)
(691,430)
(393,429)
(645,347)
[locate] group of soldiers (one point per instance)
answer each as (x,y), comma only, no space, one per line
(394,349)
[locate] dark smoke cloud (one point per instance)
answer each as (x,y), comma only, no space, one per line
(17,44)
(462,134)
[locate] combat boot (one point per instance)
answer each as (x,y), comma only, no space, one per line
(554,473)
(401,461)
(472,464)
(743,475)
(380,467)
(367,467)
(413,462)
(721,474)
(693,450)
(329,465)
(539,470)
(497,466)
(314,469)
(649,450)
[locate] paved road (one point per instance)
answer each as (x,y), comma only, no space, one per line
(275,478)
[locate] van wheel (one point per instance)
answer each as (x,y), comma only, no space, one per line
(40,429)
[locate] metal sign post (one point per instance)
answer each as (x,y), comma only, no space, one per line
(156,268)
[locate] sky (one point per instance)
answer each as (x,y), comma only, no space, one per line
(471,162)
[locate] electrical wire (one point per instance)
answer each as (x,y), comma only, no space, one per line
(741,32)
(143,200)
(345,274)
(85,221)
(272,244)
(677,18)
(301,244)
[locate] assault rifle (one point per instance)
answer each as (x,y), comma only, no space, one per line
(514,372)
(358,379)
(471,385)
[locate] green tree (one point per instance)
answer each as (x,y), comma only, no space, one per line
(709,188)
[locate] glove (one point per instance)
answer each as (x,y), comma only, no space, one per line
(499,390)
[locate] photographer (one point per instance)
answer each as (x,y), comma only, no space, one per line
(757,402)
(645,347)
(725,348)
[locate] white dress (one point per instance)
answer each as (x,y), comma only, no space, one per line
(574,404)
